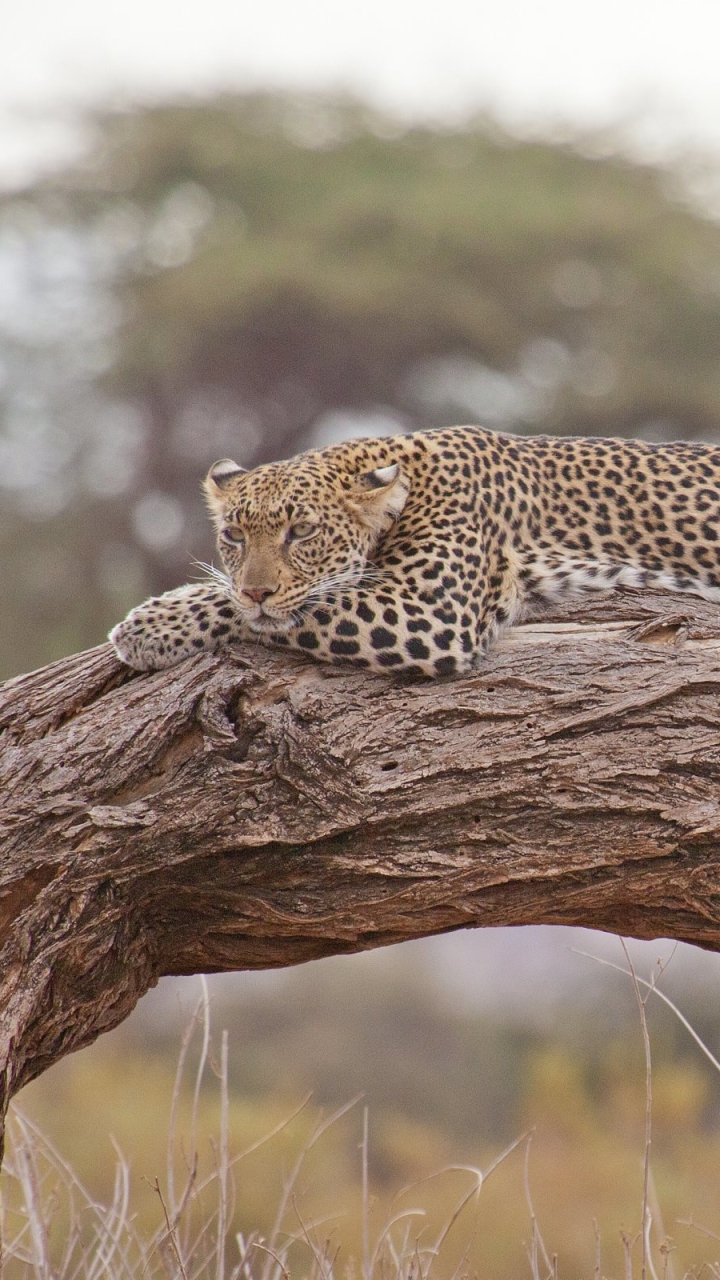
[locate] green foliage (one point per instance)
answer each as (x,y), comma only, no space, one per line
(330,235)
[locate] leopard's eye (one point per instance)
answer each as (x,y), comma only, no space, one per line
(301,531)
(231,533)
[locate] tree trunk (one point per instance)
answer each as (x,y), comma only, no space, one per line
(254,810)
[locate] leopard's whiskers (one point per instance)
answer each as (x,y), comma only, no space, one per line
(211,571)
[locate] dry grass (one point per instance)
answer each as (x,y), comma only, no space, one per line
(53,1228)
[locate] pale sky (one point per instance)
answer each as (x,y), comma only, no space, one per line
(532,62)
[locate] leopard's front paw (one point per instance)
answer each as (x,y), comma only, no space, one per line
(166,629)
(143,644)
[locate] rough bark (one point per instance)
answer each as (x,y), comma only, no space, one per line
(255,810)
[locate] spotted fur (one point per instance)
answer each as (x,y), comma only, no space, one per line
(410,553)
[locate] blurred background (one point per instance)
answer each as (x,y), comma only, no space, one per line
(236,230)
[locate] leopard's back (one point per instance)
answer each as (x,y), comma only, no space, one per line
(613,512)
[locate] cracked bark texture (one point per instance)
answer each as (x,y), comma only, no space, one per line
(253,810)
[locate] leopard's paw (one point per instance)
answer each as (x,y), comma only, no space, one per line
(166,629)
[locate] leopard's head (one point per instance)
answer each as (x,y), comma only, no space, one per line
(290,532)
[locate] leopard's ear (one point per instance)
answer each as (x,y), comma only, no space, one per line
(379,496)
(217,481)
(222,472)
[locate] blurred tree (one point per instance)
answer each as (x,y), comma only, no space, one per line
(252,274)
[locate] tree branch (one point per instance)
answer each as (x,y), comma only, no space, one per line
(255,810)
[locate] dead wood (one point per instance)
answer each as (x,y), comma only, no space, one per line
(255,810)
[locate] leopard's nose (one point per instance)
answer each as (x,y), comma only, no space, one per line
(258,594)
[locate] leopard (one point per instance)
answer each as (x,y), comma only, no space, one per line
(411,553)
